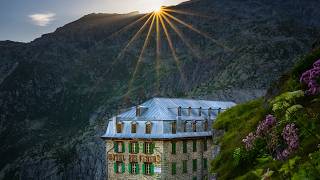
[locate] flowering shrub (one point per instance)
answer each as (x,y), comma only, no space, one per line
(311,78)
(263,129)
(290,136)
(249,140)
(265,126)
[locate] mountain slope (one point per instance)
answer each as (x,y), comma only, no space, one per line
(57,91)
(275,137)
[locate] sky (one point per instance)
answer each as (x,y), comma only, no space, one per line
(25,20)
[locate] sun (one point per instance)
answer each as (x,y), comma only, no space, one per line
(157,10)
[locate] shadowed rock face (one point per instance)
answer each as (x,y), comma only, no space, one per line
(56,90)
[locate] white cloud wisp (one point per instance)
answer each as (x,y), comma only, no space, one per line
(42,19)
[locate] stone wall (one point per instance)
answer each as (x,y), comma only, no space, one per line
(163,170)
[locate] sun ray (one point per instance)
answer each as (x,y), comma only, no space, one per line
(186,13)
(175,57)
(197,31)
(128,26)
(158,52)
(146,41)
(180,34)
(135,36)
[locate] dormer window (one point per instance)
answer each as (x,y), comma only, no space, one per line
(138,111)
(119,127)
(194,126)
(174,127)
(134,127)
(200,111)
(189,111)
(148,128)
(205,125)
(179,111)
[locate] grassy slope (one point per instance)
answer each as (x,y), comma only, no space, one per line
(239,121)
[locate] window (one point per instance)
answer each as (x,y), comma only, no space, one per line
(119,147)
(205,125)
(185,143)
(148,128)
(194,165)
(179,111)
(194,126)
(174,168)
(200,111)
(184,166)
(173,147)
(185,126)
(148,169)
(189,111)
(174,127)
(148,147)
(119,127)
(134,168)
(119,167)
(205,163)
(205,145)
(134,147)
(134,127)
(194,145)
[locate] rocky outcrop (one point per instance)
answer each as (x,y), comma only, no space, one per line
(56,90)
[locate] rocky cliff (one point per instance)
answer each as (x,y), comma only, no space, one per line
(57,91)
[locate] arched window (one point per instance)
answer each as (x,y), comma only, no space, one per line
(174,127)
(134,127)
(194,126)
(119,127)
(205,125)
(148,127)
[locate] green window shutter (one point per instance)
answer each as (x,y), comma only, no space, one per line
(130,167)
(143,147)
(184,146)
(194,145)
(205,146)
(137,168)
(115,145)
(173,145)
(174,168)
(152,148)
(129,147)
(194,165)
(152,169)
(123,167)
(205,163)
(143,169)
(123,147)
(137,147)
(115,167)
(185,168)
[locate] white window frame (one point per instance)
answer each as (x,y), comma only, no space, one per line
(148,147)
(134,168)
(120,145)
(119,167)
(150,124)
(133,147)
(148,168)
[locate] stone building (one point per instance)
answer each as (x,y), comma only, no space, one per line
(162,138)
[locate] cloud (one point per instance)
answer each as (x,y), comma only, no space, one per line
(42,19)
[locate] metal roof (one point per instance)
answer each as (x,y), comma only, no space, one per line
(162,112)
(166,108)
